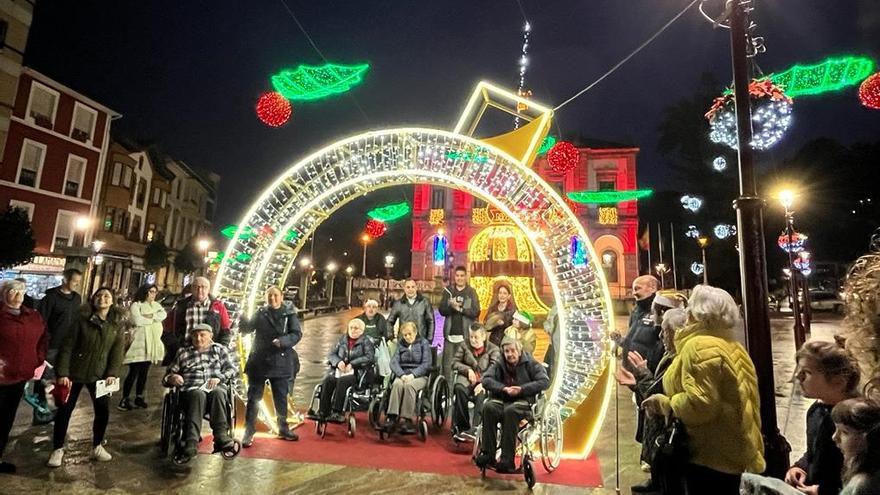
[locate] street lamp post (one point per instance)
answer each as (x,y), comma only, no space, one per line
(94,260)
(365,239)
(349,272)
(305,264)
(331,278)
(703,241)
(661,269)
(389,264)
(203,245)
(786,197)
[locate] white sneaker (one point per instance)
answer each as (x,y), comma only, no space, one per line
(55,458)
(100,454)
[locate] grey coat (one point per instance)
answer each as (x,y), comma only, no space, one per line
(419,312)
(465,360)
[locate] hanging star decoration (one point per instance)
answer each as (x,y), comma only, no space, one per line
(307,82)
(771,116)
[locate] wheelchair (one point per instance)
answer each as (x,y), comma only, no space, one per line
(171,436)
(432,400)
(542,426)
(358,398)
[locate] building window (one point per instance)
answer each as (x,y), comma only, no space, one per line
(116,178)
(108,218)
(73,178)
(135,233)
(609,264)
(141,200)
(28,207)
(119,221)
(151,232)
(63,230)
(438,198)
(43,105)
(606,185)
(84,119)
(30,163)
(126,177)
(156,195)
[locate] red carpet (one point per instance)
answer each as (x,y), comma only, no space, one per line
(438,454)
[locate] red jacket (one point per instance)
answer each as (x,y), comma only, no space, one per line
(23,344)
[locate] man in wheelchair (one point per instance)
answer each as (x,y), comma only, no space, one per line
(199,370)
(471,362)
(513,385)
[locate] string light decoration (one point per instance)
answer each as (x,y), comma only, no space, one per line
(563,156)
(869,92)
(436,216)
(771,116)
(832,74)
(546,144)
(691,203)
(523,292)
(523,67)
(803,264)
(440,250)
(375,228)
(797,244)
(723,231)
(389,213)
(476,157)
(719,164)
(608,197)
(697,268)
(273,109)
(693,232)
(246,233)
(312,83)
(608,215)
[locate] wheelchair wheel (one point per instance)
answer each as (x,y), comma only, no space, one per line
(167,424)
(477,441)
(528,472)
(374,411)
(232,452)
(551,437)
(439,396)
(423,430)
(352,425)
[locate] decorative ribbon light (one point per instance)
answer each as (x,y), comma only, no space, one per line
(523,66)
(719,164)
(723,231)
(697,268)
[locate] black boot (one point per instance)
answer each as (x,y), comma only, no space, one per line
(284,432)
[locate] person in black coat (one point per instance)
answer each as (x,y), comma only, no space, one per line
(513,385)
(276,330)
(350,360)
(375,323)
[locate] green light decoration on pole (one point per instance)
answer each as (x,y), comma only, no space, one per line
(548,143)
(389,213)
(608,197)
(219,258)
(308,82)
(230,230)
(832,74)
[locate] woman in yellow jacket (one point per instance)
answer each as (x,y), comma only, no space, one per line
(712,388)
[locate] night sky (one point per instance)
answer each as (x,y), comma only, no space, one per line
(186,74)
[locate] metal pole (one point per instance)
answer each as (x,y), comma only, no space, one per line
(304,288)
(364,262)
(799,336)
(674,270)
(705,268)
(752,254)
(660,241)
(650,266)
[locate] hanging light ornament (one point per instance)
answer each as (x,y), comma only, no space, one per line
(523,66)
(697,268)
(771,116)
(440,247)
(723,231)
(375,228)
(563,156)
(797,242)
(693,232)
(578,252)
(691,203)
(719,164)
(273,109)
(869,92)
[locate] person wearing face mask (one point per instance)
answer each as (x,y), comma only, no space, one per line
(92,351)
(415,308)
(23,345)
(374,322)
(352,356)
(276,330)
(471,362)
(410,366)
(198,307)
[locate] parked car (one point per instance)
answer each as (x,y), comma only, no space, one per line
(826,301)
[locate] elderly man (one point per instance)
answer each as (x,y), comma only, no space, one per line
(199,307)
(375,323)
(513,385)
(643,335)
(415,308)
(199,370)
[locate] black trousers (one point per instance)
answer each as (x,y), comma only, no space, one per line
(700,480)
(507,415)
(333,392)
(10,398)
(136,372)
(101,406)
(460,414)
(280,391)
(195,403)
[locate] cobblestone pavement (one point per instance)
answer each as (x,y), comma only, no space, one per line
(135,468)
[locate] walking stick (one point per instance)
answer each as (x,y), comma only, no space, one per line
(617,436)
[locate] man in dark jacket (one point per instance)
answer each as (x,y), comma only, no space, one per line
(376,325)
(461,307)
(198,308)
(472,360)
(643,335)
(513,385)
(276,330)
(60,309)
(415,308)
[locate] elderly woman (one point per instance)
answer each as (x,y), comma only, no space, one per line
(276,330)
(410,366)
(499,314)
(92,351)
(146,348)
(352,357)
(23,345)
(470,363)
(712,388)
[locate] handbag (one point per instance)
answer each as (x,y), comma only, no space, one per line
(383,358)
(670,457)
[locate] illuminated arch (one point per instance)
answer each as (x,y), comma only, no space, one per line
(306,194)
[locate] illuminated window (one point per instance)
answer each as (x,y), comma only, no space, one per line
(609,264)
(607,215)
(438,198)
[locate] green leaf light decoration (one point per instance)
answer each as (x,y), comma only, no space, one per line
(608,197)
(307,82)
(832,74)
(230,230)
(219,258)
(291,236)
(548,143)
(243,257)
(389,213)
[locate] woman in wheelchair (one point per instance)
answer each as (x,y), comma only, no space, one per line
(200,370)
(513,386)
(410,367)
(469,365)
(353,355)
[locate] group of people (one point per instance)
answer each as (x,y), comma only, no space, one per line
(699,417)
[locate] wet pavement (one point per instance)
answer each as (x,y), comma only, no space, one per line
(136,468)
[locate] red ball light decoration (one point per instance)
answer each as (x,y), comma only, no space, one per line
(563,156)
(375,228)
(869,92)
(273,109)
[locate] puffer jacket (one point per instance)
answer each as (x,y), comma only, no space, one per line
(713,389)
(360,357)
(93,349)
(419,312)
(23,345)
(465,361)
(267,360)
(412,359)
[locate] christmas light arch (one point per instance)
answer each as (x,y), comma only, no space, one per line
(310,191)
